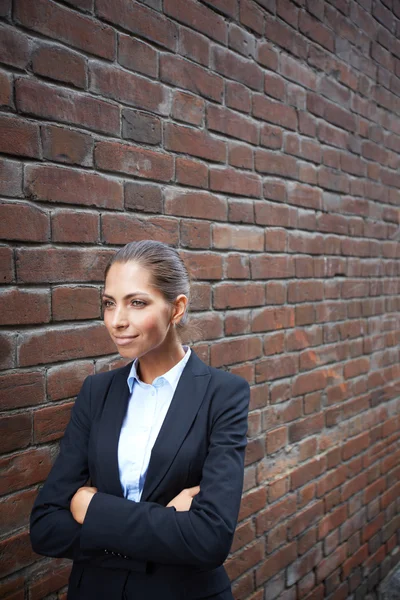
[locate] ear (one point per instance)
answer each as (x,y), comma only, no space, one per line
(179,309)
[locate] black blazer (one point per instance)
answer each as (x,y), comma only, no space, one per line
(145,545)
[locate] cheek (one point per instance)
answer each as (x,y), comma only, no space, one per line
(153,325)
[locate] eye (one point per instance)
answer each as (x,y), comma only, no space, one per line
(138,303)
(107,303)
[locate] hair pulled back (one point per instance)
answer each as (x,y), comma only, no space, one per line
(168,272)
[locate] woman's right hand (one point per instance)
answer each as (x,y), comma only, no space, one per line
(183,500)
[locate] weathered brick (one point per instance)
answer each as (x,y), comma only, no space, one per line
(235,182)
(23,221)
(10,178)
(191,172)
(195,46)
(75,226)
(15,511)
(24,469)
(122,229)
(232,124)
(20,307)
(6,90)
(198,17)
(199,205)
(49,423)
(139,20)
(22,389)
(75,303)
(273,163)
(60,64)
(238,238)
(82,32)
(141,127)
(66,106)
(204,265)
(233,351)
(15,47)
(187,108)
(54,184)
(16,553)
(58,344)
(135,55)
(237,96)
(228,295)
(235,67)
(133,160)
(251,16)
(188,140)
(144,197)
(189,76)
(65,381)
(67,145)
(56,265)
(19,137)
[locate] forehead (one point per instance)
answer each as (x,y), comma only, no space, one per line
(129,277)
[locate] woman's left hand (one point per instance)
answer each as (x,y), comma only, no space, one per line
(80,502)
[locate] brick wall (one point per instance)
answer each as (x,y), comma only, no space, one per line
(262,138)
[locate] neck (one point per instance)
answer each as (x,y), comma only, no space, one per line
(159,361)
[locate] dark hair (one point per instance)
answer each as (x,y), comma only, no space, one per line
(168,272)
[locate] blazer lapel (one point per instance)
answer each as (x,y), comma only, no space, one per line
(110,425)
(182,411)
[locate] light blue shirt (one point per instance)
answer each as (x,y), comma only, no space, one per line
(148,405)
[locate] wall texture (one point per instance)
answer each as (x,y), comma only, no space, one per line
(262,138)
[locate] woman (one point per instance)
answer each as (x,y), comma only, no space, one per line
(162,442)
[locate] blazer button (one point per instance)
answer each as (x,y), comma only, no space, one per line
(106,551)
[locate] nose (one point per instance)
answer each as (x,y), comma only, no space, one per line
(119,318)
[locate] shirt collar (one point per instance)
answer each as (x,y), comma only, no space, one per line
(172,376)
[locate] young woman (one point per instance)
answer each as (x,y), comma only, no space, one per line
(145,493)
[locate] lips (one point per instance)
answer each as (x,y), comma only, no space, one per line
(124,341)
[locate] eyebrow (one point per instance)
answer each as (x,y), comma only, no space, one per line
(128,296)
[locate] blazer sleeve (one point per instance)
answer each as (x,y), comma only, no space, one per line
(201,536)
(53,530)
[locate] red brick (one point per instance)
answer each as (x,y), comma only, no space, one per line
(186,74)
(198,17)
(267,55)
(316,31)
(238,238)
(19,137)
(237,266)
(129,88)
(239,69)
(6,90)
(55,184)
(203,266)
(304,565)
(187,108)
(241,41)
(305,518)
(67,106)
(191,172)
(332,521)
(14,47)
(232,124)
(252,502)
(275,86)
(22,221)
(297,72)
(276,562)
(304,195)
(10,178)
(227,7)
(194,142)
(195,234)
(144,197)
(195,204)
(75,303)
(135,55)
(245,560)
(271,137)
(67,146)
(15,511)
(61,265)
(20,307)
(22,389)
(232,181)
(228,295)
(15,432)
(233,351)
(139,20)
(241,156)
(51,580)
(251,16)
(55,344)
(82,31)
(274,112)
(75,226)
(65,381)
(60,64)
(276,215)
(24,469)
(273,163)
(6,265)
(244,534)
(15,553)
(237,96)
(49,423)
(123,228)
(241,212)
(357,559)
(356,367)
(276,367)
(195,46)
(279,511)
(271,267)
(272,318)
(133,160)
(305,427)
